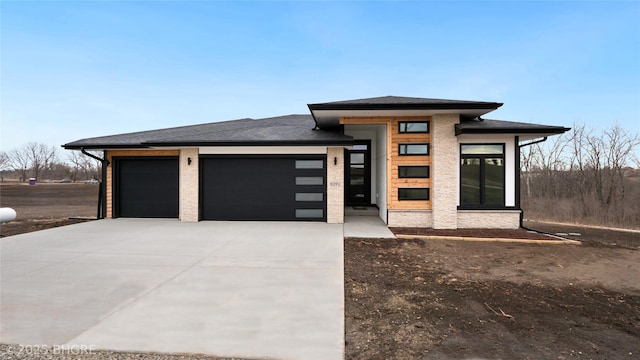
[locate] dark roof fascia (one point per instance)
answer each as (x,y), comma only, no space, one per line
(406,106)
(105,147)
(231,143)
(253,143)
(511,130)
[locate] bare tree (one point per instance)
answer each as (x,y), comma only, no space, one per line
(584,176)
(37,158)
(96,168)
(19,162)
(4,164)
(42,158)
(526,161)
(4,161)
(578,170)
(87,166)
(617,156)
(548,159)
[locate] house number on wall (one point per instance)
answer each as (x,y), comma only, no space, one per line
(335,184)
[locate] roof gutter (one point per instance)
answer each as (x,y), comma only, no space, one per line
(104,147)
(342,142)
(82,150)
(533,142)
(520,146)
(314,117)
(102,191)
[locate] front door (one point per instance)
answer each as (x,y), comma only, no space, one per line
(358,174)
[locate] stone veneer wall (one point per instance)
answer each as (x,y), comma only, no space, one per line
(444,157)
(335,185)
(189,185)
(488,219)
(410,218)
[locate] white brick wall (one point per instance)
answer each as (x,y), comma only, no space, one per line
(335,185)
(488,219)
(410,218)
(444,188)
(189,185)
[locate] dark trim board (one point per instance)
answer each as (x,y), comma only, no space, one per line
(146,187)
(262,188)
(518,170)
(488,126)
(436,105)
(252,143)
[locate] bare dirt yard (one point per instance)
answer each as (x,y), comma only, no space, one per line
(437,299)
(45,205)
(418,299)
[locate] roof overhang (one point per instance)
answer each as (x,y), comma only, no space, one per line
(337,142)
(525,130)
(327,115)
(347,141)
(71,146)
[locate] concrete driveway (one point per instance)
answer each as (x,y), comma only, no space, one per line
(249,289)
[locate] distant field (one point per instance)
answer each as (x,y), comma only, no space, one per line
(46,205)
(50,201)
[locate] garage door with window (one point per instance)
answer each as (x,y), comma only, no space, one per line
(146,187)
(263,188)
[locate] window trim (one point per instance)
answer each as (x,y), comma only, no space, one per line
(410,143)
(482,157)
(414,177)
(414,132)
(400,198)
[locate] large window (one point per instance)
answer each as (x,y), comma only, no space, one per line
(482,175)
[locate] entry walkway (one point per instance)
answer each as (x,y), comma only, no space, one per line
(366,227)
(242,289)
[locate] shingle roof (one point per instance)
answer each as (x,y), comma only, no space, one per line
(391,102)
(281,130)
(302,129)
(487,126)
(327,115)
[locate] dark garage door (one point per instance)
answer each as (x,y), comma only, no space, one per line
(146,187)
(263,188)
